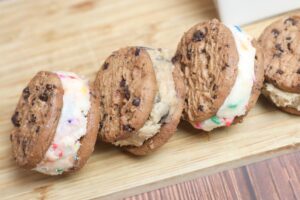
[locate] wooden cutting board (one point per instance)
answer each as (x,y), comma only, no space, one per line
(78,36)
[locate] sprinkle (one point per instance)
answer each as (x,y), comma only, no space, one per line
(59,170)
(198,125)
(216,120)
(60,154)
(228,122)
(69,121)
(54,146)
(238,28)
(232,106)
(84,90)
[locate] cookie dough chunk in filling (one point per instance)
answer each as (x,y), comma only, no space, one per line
(236,103)
(165,100)
(72,126)
(281,98)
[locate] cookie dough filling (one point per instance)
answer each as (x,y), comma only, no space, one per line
(165,101)
(281,98)
(72,126)
(236,102)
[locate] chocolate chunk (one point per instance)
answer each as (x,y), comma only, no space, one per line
(215,96)
(37,129)
(26,93)
(128,128)
(137,51)
(43,97)
(291,21)
(163,118)
(198,36)
(127,92)
(203,51)
(105,65)
(15,119)
(136,101)
(122,82)
(279,71)
(201,108)
(275,32)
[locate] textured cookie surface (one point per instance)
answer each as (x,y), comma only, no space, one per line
(280,43)
(208,58)
(36,118)
(170,126)
(127,87)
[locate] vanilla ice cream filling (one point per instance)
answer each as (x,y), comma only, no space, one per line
(72,125)
(165,100)
(281,98)
(237,101)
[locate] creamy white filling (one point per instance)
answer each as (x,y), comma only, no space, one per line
(72,125)
(236,102)
(281,98)
(166,98)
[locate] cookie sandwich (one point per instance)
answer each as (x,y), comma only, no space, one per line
(280,42)
(141,97)
(223,74)
(55,123)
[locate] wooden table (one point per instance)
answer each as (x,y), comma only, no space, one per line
(276,178)
(77,35)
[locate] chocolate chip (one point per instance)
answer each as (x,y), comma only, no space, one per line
(122,82)
(279,48)
(15,119)
(136,101)
(255,57)
(50,87)
(189,54)
(198,36)
(201,108)
(186,101)
(105,65)
(26,93)
(291,21)
(32,118)
(127,92)
(215,96)
(43,97)
(37,130)
(279,71)
(203,51)
(176,58)
(215,87)
(275,32)
(289,47)
(298,71)
(163,118)
(288,38)
(225,66)
(227,45)
(137,51)
(128,128)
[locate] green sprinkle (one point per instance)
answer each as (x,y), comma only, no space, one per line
(232,106)
(216,120)
(59,170)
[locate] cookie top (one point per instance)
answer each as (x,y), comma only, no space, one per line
(35,119)
(127,87)
(280,43)
(208,57)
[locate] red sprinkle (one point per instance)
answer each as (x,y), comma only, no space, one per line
(54,146)
(60,154)
(228,122)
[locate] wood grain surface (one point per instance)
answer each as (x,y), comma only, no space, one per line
(276,178)
(77,35)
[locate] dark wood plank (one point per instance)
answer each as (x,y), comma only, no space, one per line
(276,178)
